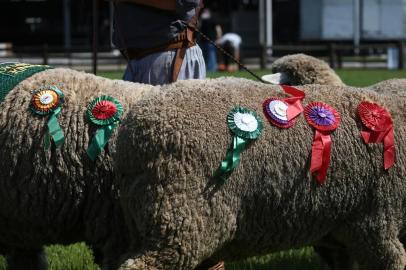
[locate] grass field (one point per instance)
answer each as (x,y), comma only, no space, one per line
(79,257)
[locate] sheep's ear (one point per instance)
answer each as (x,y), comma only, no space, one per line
(276,78)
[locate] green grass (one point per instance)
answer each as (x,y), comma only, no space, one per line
(73,257)
(366,77)
(79,257)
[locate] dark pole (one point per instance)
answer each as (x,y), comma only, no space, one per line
(67,24)
(401,46)
(95,35)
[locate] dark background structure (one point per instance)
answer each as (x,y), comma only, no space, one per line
(46,27)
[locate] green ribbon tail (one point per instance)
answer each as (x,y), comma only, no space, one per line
(100,140)
(55,130)
(232,158)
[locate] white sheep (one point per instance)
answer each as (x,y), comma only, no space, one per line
(172,142)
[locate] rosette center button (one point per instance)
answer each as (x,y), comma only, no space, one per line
(46,99)
(246,119)
(280,109)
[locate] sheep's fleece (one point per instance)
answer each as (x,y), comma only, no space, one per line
(300,69)
(172,141)
(60,195)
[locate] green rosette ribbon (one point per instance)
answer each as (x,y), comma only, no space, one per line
(48,100)
(104,111)
(246,126)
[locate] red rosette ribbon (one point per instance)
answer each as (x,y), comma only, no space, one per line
(282,112)
(378,127)
(324,119)
(104,110)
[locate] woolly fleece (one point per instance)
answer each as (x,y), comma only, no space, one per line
(393,86)
(171,142)
(60,195)
(332,252)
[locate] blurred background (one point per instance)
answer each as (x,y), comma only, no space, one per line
(346,33)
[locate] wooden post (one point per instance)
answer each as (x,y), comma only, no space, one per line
(332,55)
(264,56)
(45,54)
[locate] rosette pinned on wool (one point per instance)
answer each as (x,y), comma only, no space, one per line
(48,101)
(283,112)
(105,112)
(378,127)
(324,119)
(245,126)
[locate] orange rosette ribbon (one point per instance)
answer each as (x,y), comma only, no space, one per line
(49,101)
(45,101)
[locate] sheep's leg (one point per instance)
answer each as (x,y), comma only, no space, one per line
(211,265)
(163,260)
(387,255)
(98,256)
(27,259)
(335,258)
(375,246)
(149,260)
(107,258)
(334,255)
(167,259)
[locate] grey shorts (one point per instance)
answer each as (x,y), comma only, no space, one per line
(156,69)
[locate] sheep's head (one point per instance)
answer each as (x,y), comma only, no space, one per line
(300,69)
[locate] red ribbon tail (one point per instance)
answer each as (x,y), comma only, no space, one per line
(389,154)
(372,136)
(365,136)
(317,153)
(321,177)
(321,151)
(293,91)
(295,107)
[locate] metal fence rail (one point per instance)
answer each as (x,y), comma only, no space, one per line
(107,59)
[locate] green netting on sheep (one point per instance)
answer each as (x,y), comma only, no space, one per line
(13,73)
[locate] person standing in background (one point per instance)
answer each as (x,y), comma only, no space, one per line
(213,31)
(154,37)
(231,43)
